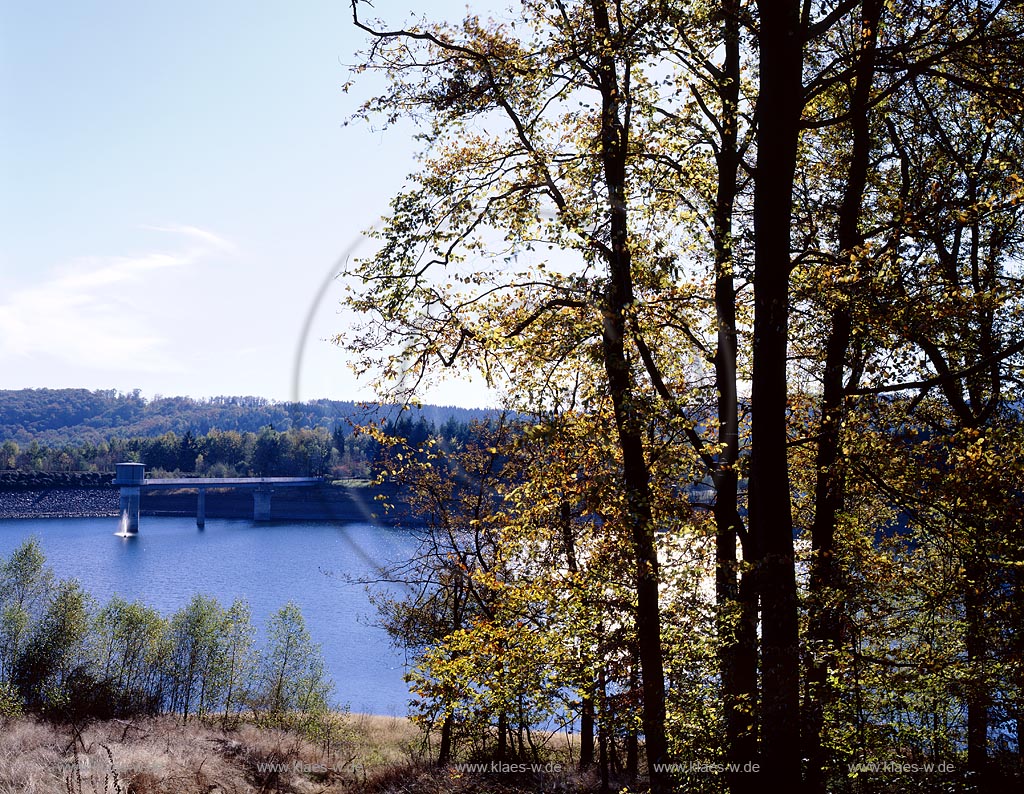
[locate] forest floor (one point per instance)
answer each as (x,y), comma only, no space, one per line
(160,755)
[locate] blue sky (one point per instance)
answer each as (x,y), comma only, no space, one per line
(178,185)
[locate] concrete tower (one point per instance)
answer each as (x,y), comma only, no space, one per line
(130,477)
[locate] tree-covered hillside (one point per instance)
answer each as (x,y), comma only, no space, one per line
(55,417)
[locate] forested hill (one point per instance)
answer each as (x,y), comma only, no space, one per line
(54,417)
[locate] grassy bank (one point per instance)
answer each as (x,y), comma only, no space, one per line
(160,755)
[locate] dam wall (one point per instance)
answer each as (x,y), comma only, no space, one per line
(93,495)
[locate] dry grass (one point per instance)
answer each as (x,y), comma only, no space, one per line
(161,756)
(385,741)
(426,779)
(153,755)
(158,755)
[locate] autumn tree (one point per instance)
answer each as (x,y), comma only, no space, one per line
(955,292)
(848,243)
(447,601)
(567,89)
(239,658)
(803,206)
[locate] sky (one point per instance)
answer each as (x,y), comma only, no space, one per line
(179,187)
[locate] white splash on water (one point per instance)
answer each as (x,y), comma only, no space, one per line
(123,531)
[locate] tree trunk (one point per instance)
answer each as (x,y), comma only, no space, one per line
(771,521)
(444,752)
(587,705)
(1018,644)
(638,504)
(502,751)
(824,632)
(587,734)
(737,656)
(602,733)
(636,476)
(978,699)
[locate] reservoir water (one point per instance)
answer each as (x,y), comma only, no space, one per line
(315,564)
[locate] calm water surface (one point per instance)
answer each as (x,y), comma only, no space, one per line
(310,563)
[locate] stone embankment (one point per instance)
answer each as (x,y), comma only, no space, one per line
(57,495)
(13,480)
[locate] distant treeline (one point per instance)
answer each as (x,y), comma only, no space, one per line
(342,451)
(55,417)
(81,430)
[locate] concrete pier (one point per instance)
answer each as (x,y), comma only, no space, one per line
(201,508)
(130,478)
(261,504)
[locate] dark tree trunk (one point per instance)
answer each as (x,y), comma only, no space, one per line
(632,755)
(825,609)
(636,476)
(520,733)
(587,734)
(502,752)
(602,734)
(444,753)
(1018,644)
(771,520)
(638,504)
(737,619)
(587,704)
(978,699)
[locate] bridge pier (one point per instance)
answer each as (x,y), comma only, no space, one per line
(201,508)
(261,504)
(130,477)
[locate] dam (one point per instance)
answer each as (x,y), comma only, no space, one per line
(132,481)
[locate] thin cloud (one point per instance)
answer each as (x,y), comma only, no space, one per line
(57,320)
(92,311)
(104,271)
(204,236)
